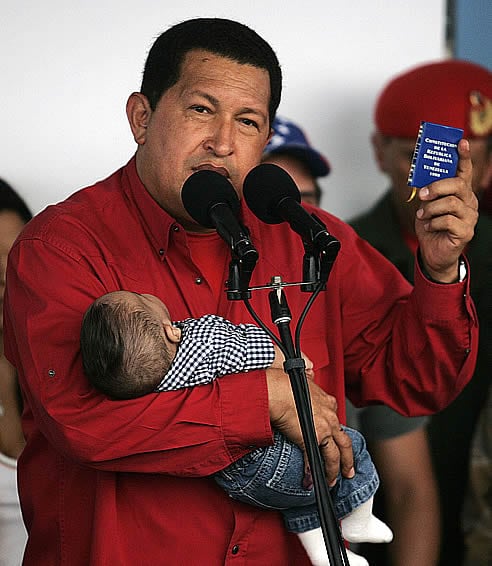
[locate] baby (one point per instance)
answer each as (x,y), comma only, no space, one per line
(130,347)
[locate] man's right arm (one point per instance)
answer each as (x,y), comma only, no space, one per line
(191,432)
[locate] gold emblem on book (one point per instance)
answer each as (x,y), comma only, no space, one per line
(480,114)
(412,194)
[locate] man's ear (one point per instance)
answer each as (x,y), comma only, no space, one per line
(173,333)
(378,142)
(138,112)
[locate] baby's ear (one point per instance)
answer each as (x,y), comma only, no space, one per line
(173,333)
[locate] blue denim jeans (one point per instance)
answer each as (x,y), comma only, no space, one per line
(272,478)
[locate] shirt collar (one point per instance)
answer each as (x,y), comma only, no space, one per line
(156,222)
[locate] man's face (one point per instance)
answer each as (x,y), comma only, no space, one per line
(302,176)
(215,117)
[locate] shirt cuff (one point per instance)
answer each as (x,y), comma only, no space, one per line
(440,301)
(245,412)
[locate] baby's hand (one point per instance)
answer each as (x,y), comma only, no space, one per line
(309,367)
(279,359)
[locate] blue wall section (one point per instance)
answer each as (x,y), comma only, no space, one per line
(473,31)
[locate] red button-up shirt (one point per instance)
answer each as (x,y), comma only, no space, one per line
(119,483)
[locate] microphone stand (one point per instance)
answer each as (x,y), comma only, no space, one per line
(317,264)
(294,365)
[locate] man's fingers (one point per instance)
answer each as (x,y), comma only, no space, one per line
(310,373)
(331,457)
(337,454)
(450,205)
(344,444)
(464,169)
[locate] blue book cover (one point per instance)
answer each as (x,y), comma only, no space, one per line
(436,154)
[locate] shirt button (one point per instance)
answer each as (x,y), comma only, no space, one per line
(161,252)
(235,549)
(198,280)
(176,228)
(51,373)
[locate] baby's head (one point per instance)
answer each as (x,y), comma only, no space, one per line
(127,343)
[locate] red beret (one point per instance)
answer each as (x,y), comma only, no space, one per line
(451,92)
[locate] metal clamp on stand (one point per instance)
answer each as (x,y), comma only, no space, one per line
(244,258)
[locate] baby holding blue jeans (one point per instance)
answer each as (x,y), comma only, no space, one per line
(130,347)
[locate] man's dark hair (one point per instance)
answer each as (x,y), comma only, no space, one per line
(222,37)
(10,200)
(123,349)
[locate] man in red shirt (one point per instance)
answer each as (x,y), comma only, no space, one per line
(107,482)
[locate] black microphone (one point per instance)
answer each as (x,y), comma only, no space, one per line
(210,199)
(272,195)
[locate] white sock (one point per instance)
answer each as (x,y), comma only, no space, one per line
(314,545)
(362,526)
(356,559)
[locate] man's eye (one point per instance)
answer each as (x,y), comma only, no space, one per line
(248,122)
(200,109)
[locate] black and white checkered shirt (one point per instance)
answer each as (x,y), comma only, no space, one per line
(212,346)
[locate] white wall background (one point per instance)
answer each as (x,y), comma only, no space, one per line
(68,66)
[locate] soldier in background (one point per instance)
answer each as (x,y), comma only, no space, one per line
(453,93)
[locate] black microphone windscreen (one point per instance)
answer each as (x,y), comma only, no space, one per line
(204,189)
(265,187)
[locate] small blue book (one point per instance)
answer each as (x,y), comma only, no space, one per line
(436,154)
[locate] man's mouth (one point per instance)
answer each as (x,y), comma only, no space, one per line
(209,167)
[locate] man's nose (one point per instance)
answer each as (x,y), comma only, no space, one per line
(221,138)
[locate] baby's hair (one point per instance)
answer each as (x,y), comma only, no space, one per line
(123,349)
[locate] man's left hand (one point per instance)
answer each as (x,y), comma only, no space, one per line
(446,220)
